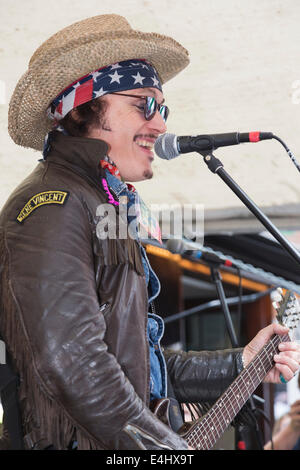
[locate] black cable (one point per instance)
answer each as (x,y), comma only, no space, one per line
(216,303)
(266,418)
(289,152)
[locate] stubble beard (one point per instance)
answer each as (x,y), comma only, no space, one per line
(148,174)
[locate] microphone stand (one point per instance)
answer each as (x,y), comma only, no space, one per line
(216,166)
(217,279)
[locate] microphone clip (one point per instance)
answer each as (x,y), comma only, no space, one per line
(213,163)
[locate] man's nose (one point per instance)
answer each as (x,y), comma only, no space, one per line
(157,123)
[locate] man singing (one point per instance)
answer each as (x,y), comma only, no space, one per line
(75,312)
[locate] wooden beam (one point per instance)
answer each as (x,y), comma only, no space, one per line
(200,268)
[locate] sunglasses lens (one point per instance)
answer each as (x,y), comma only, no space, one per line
(164,111)
(151,107)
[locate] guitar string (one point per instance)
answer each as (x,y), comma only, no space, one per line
(253,364)
(266,350)
(203,433)
(193,439)
(217,413)
(269,364)
(226,396)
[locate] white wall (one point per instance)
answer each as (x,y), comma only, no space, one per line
(244,64)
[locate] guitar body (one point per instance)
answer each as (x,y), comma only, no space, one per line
(169,412)
(161,408)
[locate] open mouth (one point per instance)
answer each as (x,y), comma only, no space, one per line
(145,144)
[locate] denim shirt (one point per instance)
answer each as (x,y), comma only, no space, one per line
(155,324)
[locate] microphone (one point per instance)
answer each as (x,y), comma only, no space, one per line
(168,146)
(179,247)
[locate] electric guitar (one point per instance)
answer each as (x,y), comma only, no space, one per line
(203,433)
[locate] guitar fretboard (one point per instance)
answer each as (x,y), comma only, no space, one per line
(207,430)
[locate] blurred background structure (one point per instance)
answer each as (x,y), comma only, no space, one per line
(244,75)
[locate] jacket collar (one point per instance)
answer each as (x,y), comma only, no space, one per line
(82,152)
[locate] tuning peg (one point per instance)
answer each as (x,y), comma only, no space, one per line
(276,296)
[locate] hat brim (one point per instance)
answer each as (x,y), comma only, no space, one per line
(50,73)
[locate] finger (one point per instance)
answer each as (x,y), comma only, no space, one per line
(289,346)
(287,359)
(293,355)
(295,410)
(279,329)
(268,331)
(295,421)
(286,372)
(295,426)
(296,405)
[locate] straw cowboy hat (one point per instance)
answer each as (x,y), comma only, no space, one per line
(75,51)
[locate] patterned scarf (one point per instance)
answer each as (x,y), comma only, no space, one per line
(145,219)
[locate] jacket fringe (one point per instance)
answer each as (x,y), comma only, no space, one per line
(45,423)
(119,251)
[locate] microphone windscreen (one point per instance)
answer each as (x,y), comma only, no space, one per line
(166,146)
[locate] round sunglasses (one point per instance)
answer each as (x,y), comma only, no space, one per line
(150,107)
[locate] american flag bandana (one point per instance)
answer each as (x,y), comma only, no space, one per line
(121,76)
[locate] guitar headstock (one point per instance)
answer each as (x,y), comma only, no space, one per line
(287,308)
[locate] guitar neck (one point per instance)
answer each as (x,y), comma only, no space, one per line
(204,433)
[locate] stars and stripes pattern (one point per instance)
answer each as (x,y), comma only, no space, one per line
(121,76)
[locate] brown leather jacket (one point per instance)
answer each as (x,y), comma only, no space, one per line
(74,314)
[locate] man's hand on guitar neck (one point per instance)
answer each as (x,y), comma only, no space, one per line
(287,362)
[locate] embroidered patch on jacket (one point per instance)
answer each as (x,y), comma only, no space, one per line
(40,199)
